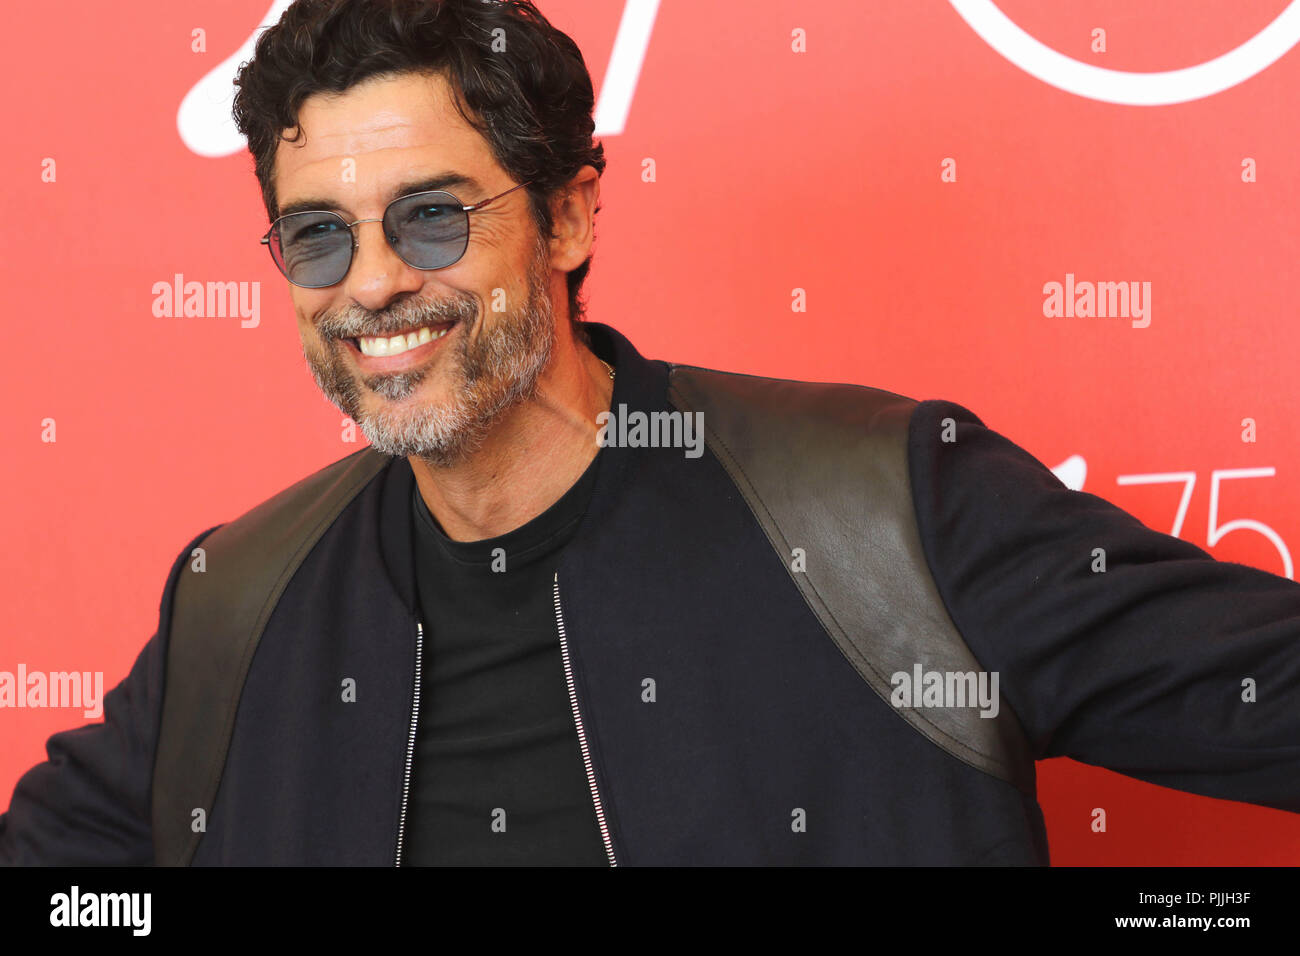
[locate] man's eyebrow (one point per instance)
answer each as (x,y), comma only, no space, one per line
(450,180)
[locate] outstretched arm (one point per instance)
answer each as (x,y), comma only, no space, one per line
(1138,668)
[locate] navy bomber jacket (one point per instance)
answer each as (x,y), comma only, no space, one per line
(829,539)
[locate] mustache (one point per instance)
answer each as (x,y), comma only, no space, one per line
(354,320)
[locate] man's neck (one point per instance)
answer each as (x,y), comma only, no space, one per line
(532,456)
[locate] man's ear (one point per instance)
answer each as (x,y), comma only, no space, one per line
(573,214)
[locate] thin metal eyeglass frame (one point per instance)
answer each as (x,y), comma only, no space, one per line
(266,239)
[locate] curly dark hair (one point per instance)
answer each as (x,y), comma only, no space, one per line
(515,78)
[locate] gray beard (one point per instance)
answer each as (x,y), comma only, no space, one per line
(491,373)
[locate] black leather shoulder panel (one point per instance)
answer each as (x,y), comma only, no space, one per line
(219,615)
(825,468)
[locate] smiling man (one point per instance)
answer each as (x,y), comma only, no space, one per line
(461,368)
(426,281)
(514,630)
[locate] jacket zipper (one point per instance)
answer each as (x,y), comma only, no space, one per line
(410,740)
(582,734)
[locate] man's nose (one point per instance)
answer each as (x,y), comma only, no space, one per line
(378,272)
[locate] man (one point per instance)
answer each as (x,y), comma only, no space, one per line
(577,607)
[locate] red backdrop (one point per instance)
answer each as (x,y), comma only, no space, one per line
(885,157)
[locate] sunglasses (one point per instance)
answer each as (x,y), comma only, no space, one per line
(427,230)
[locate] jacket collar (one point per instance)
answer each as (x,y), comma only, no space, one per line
(639,384)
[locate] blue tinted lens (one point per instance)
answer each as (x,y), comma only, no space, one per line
(314,249)
(428,230)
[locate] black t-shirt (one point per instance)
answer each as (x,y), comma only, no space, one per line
(498,775)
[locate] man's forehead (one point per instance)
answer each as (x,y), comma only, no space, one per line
(380,125)
(384,130)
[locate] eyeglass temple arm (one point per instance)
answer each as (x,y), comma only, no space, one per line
(480,205)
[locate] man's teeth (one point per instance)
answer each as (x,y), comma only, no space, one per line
(397,344)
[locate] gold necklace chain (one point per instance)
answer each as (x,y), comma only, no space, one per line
(609,367)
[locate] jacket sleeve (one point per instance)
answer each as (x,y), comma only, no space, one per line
(1138,668)
(89,803)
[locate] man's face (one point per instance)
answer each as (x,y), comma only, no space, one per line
(489,315)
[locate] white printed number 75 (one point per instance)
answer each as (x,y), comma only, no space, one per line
(1216,531)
